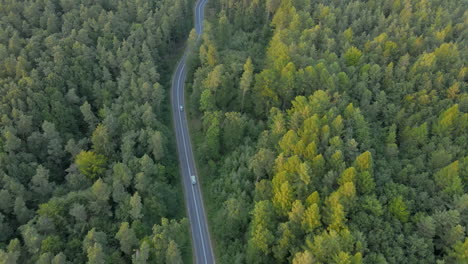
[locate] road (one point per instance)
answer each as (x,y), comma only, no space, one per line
(201,242)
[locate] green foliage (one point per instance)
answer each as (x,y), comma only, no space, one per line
(173,254)
(259,245)
(448,179)
(212,137)
(90,164)
(101,190)
(360,147)
(352,56)
(135,203)
(283,198)
(398,209)
(246,80)
(166,232)
(51,244)
(12,254)
(142,254)
(84,138)
(311,218)
(364,161)
(96,254)
(459,253)
(102,143)
(127,238)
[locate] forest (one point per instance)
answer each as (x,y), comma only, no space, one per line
(333,131)
(88,172)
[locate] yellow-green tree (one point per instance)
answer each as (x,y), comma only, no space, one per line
(90,164)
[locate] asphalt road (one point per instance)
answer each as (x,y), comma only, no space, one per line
(201,242)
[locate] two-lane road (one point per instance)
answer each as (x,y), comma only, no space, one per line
(201,242)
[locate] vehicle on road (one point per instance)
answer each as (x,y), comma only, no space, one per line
(181,108)
(192,178)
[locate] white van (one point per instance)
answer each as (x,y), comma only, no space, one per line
(192,178)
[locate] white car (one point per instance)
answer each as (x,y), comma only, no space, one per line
(181,108)
(192,178)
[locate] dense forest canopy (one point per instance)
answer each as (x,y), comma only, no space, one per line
(334,131)
(87,169)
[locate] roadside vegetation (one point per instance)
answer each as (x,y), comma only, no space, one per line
(334,131)
(88,171)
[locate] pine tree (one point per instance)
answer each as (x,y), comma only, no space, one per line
(246,80)
(173,254)
(127,238)
(135,203)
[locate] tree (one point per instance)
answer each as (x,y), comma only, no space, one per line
(212,141)
(287,82)
(6,201)
(261,236)
(448,180)
(90,164)
(398,209)
(352,56)
(102,141)
(167,231)
(12,254)
(364,161)
(311,219)
(271,6)
(233,130)
(89,116)
(365,183)
(173,254)
(127,238)
(207,101)
(60,258)
(288,142)
(157,145)
(297,212)
(22,212)
(262,162)
(12,143)
(96,254)
(459,253)
(40,182)
(335,217)
(54,145)
(31,238)
(52,244)
(214,78)
(101,190)
(119,194)
(283,198)
(25,125)
(93,238)
(348,175)
(211,56)
(449,122)
(135,203)
(79,212)
(285,242)
(141,255)
(233,219)
(246,80)
(303,258)
(122,174)
(313,198)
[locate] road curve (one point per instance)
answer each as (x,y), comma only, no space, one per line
(201,242)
